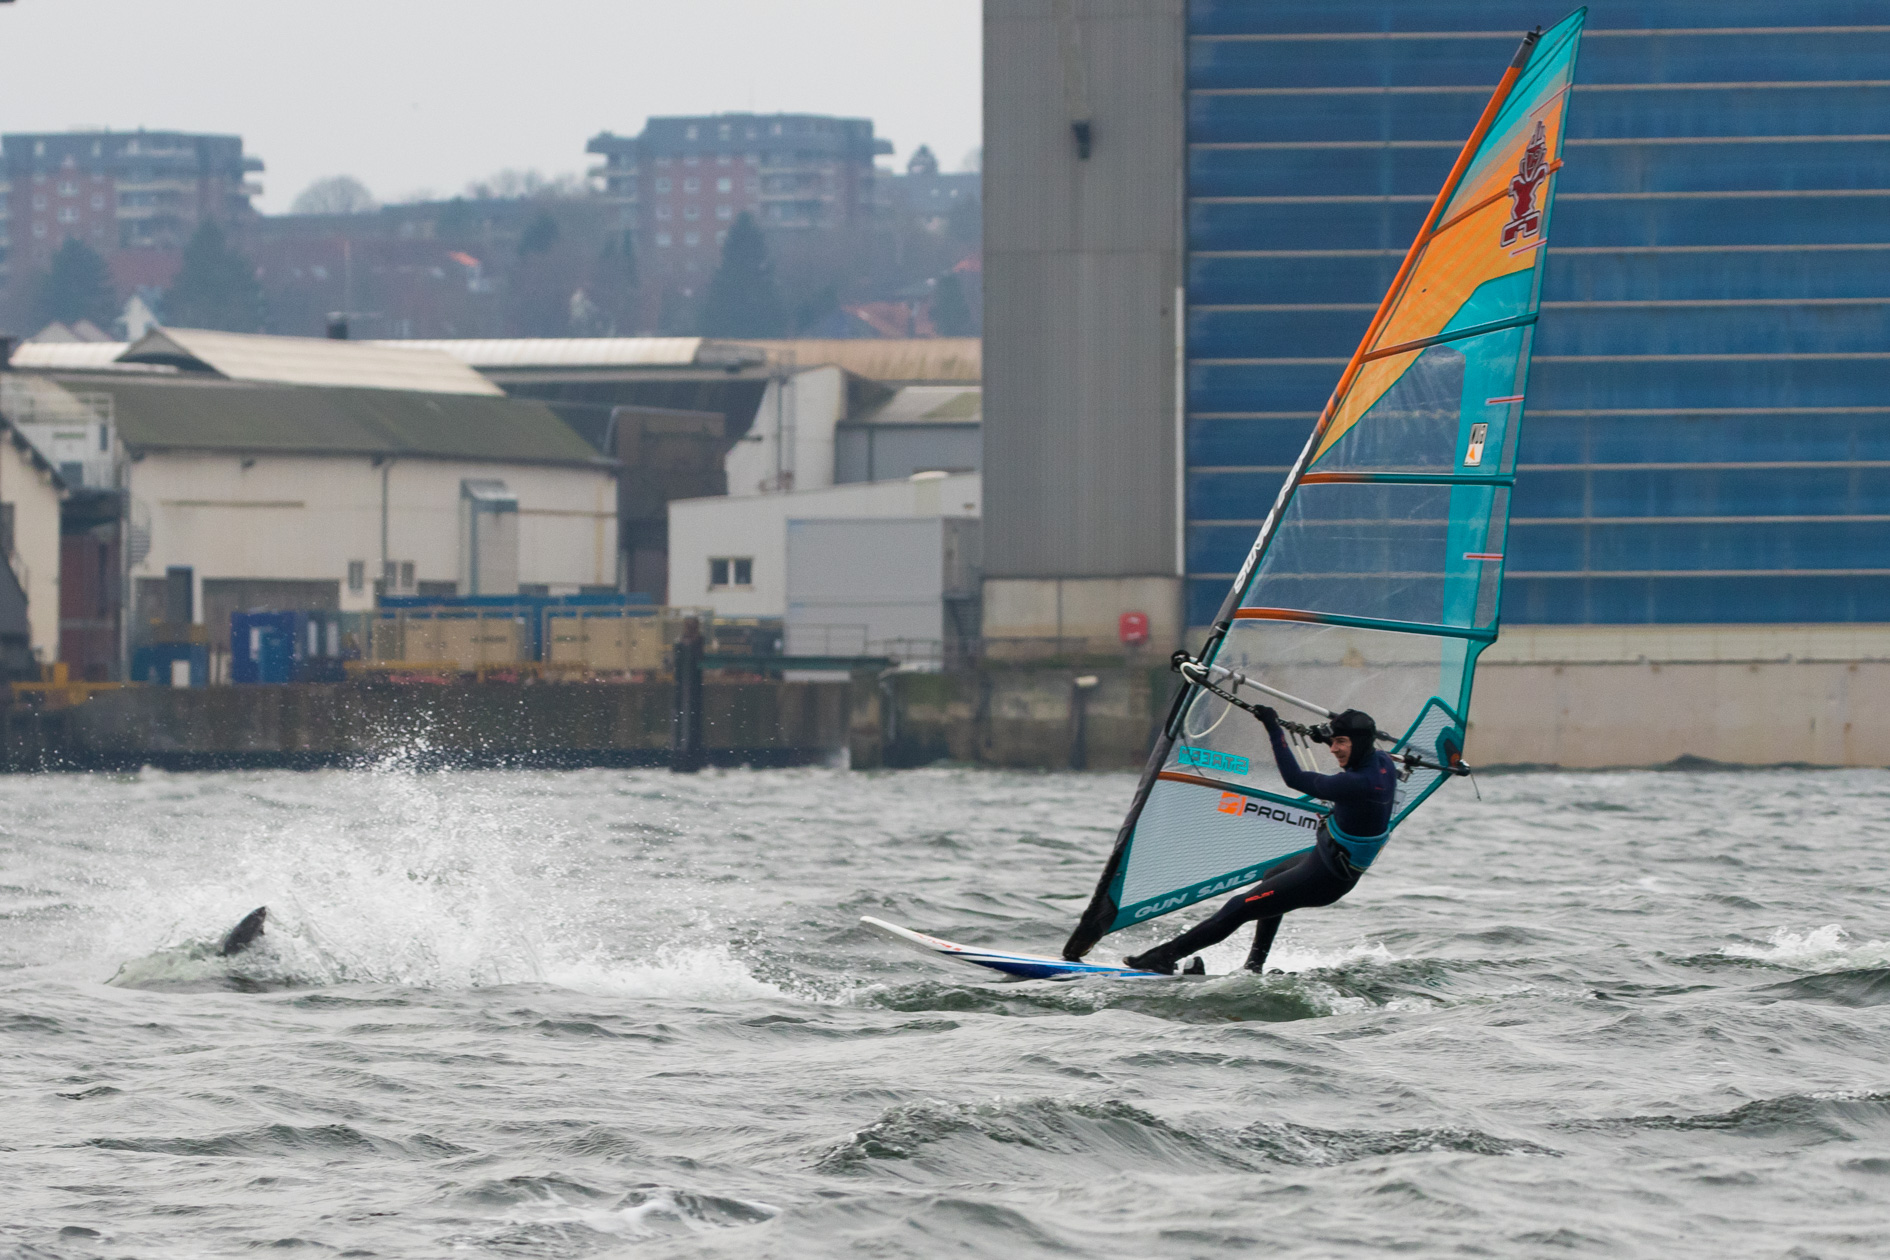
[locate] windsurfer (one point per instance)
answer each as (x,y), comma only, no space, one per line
(1361,794)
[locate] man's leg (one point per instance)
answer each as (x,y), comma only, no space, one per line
(1263,933)
(1301,882)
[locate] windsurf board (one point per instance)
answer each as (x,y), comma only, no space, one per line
(1022,966)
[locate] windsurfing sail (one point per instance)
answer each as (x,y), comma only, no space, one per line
(1374,581)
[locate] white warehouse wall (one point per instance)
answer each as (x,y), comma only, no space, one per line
(755,526)
(814,402)
(35,557)
(306,517)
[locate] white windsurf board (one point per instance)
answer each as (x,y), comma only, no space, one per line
(1022,966)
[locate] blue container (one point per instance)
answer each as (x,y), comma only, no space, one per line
(282,647)
(262,647)
(159,664)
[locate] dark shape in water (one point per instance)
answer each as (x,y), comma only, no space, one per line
(244,934)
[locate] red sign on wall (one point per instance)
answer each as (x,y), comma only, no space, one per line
(1132,628)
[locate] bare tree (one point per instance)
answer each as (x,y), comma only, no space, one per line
(511,184)
(337,194)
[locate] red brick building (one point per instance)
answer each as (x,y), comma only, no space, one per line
(683,181)
(134,196)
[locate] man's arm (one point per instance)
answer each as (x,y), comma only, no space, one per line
(1347,785)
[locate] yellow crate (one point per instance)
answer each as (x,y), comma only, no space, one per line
(605,644)
(474,643)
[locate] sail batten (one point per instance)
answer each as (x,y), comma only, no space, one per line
(1421,343)
(1374,580)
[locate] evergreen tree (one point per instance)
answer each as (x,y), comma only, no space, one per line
(76,287)
(823,302)
(965,220)
(215,288)
(539,236)
(613,282)
(743,298)
(618,259)
(951,314)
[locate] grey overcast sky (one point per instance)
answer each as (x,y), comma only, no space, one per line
(415,96)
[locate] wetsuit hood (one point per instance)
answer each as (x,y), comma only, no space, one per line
(1362,731)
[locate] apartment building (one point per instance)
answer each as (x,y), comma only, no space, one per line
(681,183)
(134,196)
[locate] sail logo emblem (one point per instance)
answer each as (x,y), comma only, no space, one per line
(1479,434)
(1213,759)
(1242,806)
(1525,212)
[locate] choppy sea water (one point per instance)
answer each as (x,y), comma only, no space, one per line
(625,1013)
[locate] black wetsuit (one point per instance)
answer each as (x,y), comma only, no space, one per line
(1361,797)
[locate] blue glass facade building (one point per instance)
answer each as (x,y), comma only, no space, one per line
(1708,432)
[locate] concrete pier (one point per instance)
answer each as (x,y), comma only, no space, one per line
(1580,698)
(306,725)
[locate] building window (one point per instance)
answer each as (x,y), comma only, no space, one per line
(690,159)
(664,213)
(98,202)
(724,184)
(664,162)
(721,238)
(662,240)
(692,184)
(68,215)
(68,189)
(39,202)
(357,576)
(723,159)
(692,213)
(692,238)
(731,571)
(691,132)
(725,131)
(662,183)
(725,212)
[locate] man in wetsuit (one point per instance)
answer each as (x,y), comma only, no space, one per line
(1345,844)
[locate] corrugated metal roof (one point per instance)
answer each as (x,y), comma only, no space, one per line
(588,352)
(914,359)
(69,355)
(308,361)
(199,414)
(927,404)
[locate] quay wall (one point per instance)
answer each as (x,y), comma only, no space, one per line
(1577,698)
(348,724)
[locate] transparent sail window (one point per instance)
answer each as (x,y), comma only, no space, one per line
(1423,424)
(1392,676)
(1387,551)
